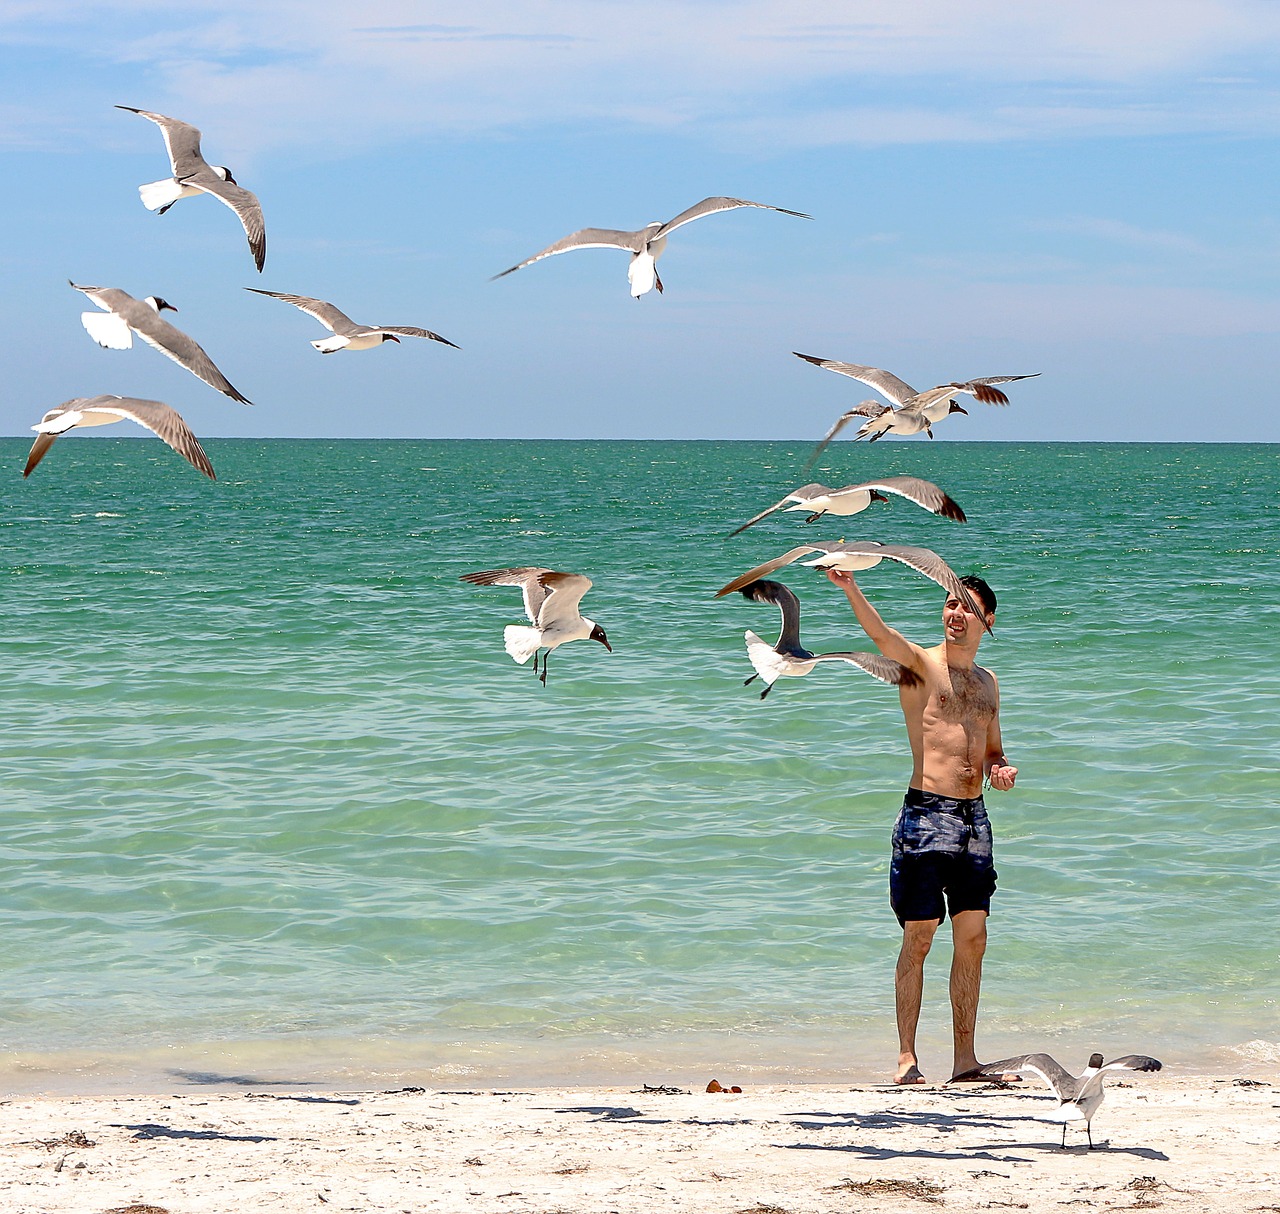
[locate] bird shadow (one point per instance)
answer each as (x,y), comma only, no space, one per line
(149,1131)
(604,1112)
(217,1079)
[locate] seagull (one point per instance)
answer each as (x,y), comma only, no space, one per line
(789,658)
(916,411)
(645,245)
(865,554)
(347,335)
(1079,1095)
(551,602)
(156,416)
(853,499)
(126,316)
(192,175)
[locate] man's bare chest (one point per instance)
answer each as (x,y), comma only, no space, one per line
(963,697)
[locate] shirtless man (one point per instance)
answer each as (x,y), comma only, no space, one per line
(942,838)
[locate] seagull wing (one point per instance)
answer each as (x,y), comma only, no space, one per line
(162,420)
(767,568)
(1049,1069)
(333,319)
(527,577)
(882,381)
(181,141)
(586,238)
(876,665)
(39,449)
(924,493)
(803,494)
(411,331)
(173,343)
(868,408)
(784,598)
(925,561)
(243,202)
(982,391)
(564,593)
(709,206)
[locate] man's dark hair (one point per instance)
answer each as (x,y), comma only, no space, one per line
(982,590)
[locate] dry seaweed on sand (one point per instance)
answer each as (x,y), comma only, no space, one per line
(878,1186)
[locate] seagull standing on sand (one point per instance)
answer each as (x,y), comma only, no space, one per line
(916,411)
(156,416)
(124,316)
(645,245)
(347,335)
(192,175)
(865,554)
(551,602)
(788,658)
(853,499)
(1079,1095)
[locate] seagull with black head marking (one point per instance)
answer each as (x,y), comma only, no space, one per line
(853,499)
(915,412)
(551,600)
(790,659)
(347,335)
(123,316)
(646,244)
(1079,1096)
(156,416)
(865,554)
(193,175)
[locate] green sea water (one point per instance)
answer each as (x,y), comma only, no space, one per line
(277,807)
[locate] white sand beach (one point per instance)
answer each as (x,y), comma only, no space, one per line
(1168,1141)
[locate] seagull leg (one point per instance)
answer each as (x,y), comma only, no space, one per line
(752,679)
(1089,1131)
(657,281)
(813,518)
(766,691)
(544,670)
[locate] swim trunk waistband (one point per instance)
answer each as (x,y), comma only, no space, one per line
(917,798)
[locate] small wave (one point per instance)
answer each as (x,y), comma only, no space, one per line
(1257,1051)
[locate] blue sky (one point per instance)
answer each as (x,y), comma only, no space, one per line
(1088,192)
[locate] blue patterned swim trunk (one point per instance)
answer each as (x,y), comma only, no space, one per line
(941,857)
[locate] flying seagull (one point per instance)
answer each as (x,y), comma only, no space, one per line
(789,658)
(916,411)
(347,335)
(853,499)
(192,175)
(551,602)
(1079,1095)
(645,245)
(865,554)
(125,316)
(156,416)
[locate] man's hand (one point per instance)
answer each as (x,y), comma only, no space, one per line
(840,577)
(1002,778)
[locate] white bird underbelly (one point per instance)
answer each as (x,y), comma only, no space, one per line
(850,562)
(108,329)
(158,194)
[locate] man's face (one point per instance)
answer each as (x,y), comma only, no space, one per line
(959,623)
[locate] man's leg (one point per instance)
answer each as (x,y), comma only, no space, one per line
(908,985)
(969,936)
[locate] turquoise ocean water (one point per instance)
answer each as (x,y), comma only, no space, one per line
(277,807)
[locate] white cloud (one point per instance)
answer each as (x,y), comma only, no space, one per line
(822,72)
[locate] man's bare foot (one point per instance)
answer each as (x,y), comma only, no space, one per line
(908,1074)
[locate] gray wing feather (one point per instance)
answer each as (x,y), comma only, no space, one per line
(411,331)
(876,665)
(895,389)
(709,206)
(246,206)
(868,408)
(181,141)
(333,319)
(564,593)
(1049,1069)
(585,238)
(1133,1062)
(924,493)
(767,568)
(527,577)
